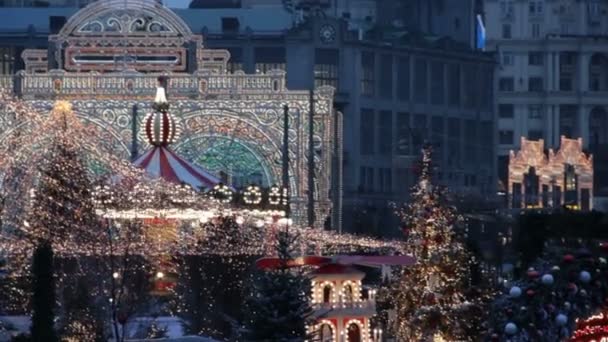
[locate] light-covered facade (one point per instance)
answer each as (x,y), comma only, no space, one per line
(391,95)
(553,76)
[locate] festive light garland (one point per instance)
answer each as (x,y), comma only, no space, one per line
(252,195)
(141,221)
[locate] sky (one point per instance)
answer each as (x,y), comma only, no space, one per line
(176,3)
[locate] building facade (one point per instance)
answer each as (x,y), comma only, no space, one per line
(553,77)
(391,94)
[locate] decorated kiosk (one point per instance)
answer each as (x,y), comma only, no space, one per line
(342,308)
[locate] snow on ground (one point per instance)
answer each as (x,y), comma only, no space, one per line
(13,325)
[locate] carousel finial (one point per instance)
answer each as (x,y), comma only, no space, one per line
(160,101)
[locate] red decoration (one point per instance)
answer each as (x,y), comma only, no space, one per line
(568,258)
(594,328)
(530,293)
(533,274)
(160,128)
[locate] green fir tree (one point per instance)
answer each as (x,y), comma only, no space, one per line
(278,308)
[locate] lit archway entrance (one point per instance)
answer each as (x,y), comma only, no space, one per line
(326,333)
(354,333)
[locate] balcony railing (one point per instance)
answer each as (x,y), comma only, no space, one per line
(363,305)
(6,82)
(129,84)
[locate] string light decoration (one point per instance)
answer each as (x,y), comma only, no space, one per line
(594,328)
(183,195)
(160,128)
(252,195)
(274,195)
(103,196)
(434,298)
(222,193)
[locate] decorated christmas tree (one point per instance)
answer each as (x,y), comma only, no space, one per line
(60,217)
(278,308)
(62,210)
(434,300)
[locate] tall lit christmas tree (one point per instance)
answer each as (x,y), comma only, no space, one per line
(433,300)
(62,209)
(61,212)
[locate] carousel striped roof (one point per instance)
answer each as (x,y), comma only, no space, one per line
(161,162)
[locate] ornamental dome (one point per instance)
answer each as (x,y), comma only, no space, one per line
(160,128)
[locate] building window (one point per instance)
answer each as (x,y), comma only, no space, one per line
(505,137)
(404,135)
(506,31)
(565,84)
(508,58)
(535,58)
(326,67)
(419,133)
(470,141)
(567,120)
(454,142)
(535,84)
(403,78)
(420,81)
(437,137)
(535,30)
(367,131)
(367,73)
(454,84)
(506,9)
(385,134)
(505,111)
(535,112)
(536,8)
(506,84)
(269,58)
(535,134)
(235,63)
(437,83)
(7,60)
(386,77)
(366,179)
(471,85)
(385,178)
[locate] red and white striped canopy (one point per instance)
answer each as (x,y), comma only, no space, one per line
(161,162)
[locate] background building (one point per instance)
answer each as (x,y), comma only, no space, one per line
(396,88)
(553,77)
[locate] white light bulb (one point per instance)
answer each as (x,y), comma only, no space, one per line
(160,95)
(160,275)
(115,275)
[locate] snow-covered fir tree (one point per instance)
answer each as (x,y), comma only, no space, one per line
(278,307)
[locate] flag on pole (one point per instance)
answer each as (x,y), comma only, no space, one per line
(481,34)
